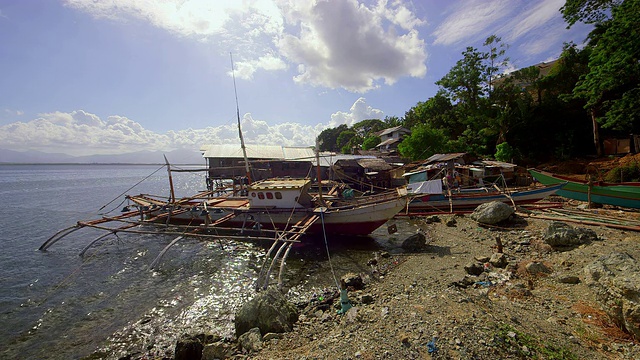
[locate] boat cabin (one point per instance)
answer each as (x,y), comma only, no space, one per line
(280,193)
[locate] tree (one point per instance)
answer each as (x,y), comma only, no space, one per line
(423,142)
(392,121)
(371,142)
(495,59)
(611,88)
(328,138)
(346,140)
(365,128)
(587,11)
(463,83)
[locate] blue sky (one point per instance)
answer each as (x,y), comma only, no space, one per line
(104,77)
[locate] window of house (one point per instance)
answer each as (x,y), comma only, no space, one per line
(278,195)
(269,195)
(261,195)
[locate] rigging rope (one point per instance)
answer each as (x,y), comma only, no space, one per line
(326,244)
(136,184)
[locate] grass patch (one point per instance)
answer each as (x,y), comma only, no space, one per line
(625,173)
(526,346)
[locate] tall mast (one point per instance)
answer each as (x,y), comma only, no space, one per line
(172,194)
(244,149)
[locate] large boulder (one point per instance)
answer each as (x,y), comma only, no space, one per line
(269,311)
(492,213)
(560,234)
(615,278)
(415,242)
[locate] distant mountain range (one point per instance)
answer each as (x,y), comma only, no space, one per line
(142,157)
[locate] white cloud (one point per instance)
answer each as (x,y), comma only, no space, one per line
(334,44)
(246,69)
(343,43)
(534,18)
(82,133)
(359,111)
(471,19)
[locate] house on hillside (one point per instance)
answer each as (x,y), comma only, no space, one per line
(391,137)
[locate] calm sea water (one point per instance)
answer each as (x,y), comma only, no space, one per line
(58,305)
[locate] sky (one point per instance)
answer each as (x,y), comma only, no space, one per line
(85,77)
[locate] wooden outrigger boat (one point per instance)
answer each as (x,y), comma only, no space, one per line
(278,210)
(279,204)
(623,194)
(468,199)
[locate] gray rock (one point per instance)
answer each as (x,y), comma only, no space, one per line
(499,260)
(269,311)
(492,213)
(251,340)
(535,268)
(217,350)
(560,234)
(474,269)
(188,347)
(352,280)
(615,279)
(271,336)
(415,242)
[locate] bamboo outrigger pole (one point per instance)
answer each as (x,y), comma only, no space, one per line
(172,196)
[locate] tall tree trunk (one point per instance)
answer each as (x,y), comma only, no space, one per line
(596,133)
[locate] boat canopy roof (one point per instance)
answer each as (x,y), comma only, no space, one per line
(280,184)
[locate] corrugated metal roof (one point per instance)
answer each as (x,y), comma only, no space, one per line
(374,164)
(443,157)
(501,164)
(328,159)
(388,142)
(395,128)
(272,152)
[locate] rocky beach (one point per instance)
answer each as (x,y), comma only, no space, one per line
(523,288)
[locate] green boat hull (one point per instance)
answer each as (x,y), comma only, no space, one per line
(618,195)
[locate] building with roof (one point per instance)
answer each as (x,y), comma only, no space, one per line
(226,161)
(391,137)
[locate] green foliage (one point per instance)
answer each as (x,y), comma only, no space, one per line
(371,142)
(346,140)
(463,84)
(423,142)
(392,121)
(612,84)
(629,172)
(365,128)
(504,152)
(587,11)
(328,138)
(526,346)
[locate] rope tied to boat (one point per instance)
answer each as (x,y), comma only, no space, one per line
(345,304)
(126,191)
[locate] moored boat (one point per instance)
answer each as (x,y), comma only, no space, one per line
(438,200)
(277,204)
(622,194)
